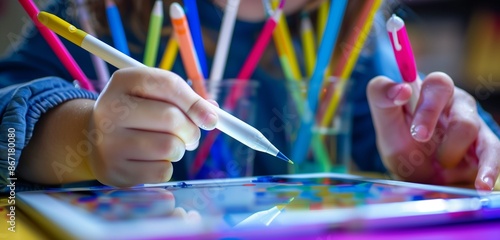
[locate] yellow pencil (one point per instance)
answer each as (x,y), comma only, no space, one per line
(321,20)
(283,32)
(321,24)
(308,44)
(170,53)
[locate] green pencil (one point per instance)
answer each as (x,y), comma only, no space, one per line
(155,24)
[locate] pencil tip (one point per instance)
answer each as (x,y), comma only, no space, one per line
(282,156)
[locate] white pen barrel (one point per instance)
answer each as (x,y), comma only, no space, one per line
(108,53)
(244,133)
(415,86)
(227,123)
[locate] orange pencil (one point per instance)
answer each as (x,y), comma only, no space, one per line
(186,46)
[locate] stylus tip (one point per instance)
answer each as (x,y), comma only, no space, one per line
(282,156)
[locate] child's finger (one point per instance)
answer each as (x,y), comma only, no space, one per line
(435,95)
(460,175)
(157,116)
(386,98)
(461,131)
(157,84)
(487,150)
(134,144)
(135,172)
(213,102)
(385,95)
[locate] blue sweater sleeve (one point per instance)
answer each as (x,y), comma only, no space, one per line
(21,106)
(33,81)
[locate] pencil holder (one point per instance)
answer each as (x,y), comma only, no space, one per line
(219,155)
(329,145)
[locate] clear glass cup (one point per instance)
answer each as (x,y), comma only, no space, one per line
(329,149)
(219,155)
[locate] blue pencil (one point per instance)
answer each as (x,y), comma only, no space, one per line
(333,24)
(194,24)
(116,27)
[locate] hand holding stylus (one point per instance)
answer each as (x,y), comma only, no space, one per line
(141,130)
(148,139)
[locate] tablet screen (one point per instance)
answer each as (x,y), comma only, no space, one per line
(243,198)
(281,201)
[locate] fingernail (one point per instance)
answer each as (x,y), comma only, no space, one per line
(179,153)
(419,133)
(399,102)
(394,91)
(192,146)
(213,102)
(489,182)
(209,122)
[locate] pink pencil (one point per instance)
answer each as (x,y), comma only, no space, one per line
(255,54)
(261,44)
(57,46)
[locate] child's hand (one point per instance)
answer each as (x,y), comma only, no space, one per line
(145,119)
(445,142)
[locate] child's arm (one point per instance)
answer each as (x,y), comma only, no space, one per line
(59,150)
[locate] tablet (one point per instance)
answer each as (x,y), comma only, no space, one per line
(284,205)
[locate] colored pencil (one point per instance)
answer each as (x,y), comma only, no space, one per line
(222,49)
(308,43)
(255,54)
(282,31)
(170,53)
(193,18)
(57,46)
(154,34)
(186,47)
(116,27)
(244,75)
(100,66)
(333,24)
(345,65)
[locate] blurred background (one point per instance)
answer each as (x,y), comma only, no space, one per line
(459,37)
